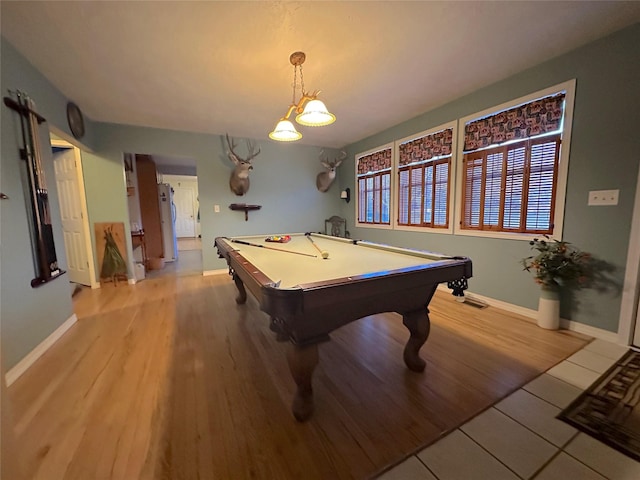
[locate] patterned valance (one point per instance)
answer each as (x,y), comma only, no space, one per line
(533,118)
(374,162)
(424,148)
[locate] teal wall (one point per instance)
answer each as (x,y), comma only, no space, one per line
(282,181)
(28,315)
(604,155)
(106,193)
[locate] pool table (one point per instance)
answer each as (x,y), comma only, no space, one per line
(308,296)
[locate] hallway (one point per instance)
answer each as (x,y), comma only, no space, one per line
(189,260)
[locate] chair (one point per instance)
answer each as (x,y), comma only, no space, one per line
(336,227)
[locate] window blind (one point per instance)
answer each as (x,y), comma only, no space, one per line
(423,180)
(512,187)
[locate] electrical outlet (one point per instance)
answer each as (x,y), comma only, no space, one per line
(216,208)
(603,197)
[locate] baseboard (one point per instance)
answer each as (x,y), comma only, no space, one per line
(14,373)
(530,315)
(131,281)
(509,307)
(208,273)
(595,332)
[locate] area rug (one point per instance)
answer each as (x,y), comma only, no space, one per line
(609,410)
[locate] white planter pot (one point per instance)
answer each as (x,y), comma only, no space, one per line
(549,309)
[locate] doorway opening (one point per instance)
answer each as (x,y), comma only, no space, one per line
(162,194)
(187,217)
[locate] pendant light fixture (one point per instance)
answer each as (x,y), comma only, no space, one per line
(311,112)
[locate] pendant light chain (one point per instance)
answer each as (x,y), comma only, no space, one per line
(295,83)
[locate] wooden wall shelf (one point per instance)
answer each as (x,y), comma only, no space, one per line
(244,208)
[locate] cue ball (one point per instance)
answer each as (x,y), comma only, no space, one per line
(325,254)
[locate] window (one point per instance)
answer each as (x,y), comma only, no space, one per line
(512,188)
(514,165)
(373,172)
(424,166)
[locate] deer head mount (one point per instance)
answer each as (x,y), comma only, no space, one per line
(239,180)
(325,179)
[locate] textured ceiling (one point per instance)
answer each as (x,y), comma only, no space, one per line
(217,67)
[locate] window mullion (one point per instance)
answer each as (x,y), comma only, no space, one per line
(554,188)
(503,188)
(398,193)
(434,180)
(380,197)
(526,178)
(409,194)
(449,195)
(463,206)
(366,197)
(483,186)
(412,188)
(423,191)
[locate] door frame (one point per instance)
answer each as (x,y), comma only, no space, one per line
(629,322)
(83,206)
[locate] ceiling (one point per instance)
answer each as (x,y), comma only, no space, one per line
(217,67)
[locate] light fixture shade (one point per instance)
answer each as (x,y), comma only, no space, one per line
(315,114)
(285,132)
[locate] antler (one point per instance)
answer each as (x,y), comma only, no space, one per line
(232,154)
(332,163)
(235,157)
(251,146)
(338,161)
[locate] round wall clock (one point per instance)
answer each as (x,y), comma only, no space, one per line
(75,119)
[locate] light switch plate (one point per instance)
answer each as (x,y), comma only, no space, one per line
(603,197)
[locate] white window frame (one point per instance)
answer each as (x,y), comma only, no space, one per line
(392,205)
(569,87)
(452,175)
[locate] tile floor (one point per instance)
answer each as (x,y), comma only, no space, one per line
(520,438)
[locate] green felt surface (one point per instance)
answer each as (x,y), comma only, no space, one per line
(345,259)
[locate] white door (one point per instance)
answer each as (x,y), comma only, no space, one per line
(184,200)
(74,223)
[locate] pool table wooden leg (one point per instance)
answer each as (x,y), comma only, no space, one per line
(302,361)
(277,327)
(242,293)
(418,324)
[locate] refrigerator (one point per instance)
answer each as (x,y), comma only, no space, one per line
(168,221)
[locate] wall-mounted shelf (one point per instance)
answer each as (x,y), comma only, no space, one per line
(244,208)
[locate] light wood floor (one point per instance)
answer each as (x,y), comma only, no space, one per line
(170,379)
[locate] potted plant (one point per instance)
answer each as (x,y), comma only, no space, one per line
(556,265)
